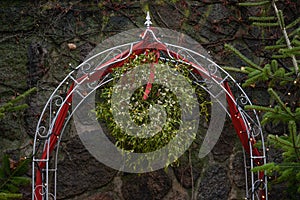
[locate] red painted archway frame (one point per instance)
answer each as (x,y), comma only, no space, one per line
(140,48)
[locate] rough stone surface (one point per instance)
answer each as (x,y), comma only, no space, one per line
(148,186)
(215,184)
(104,196)
(177,192)
(189,167)
(237,171)
(225,144)
(79,172)
(34,38)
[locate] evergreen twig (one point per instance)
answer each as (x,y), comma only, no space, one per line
(260,3)
(286,37)
(244,58)
(10,105)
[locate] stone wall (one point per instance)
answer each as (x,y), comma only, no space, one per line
(34,52)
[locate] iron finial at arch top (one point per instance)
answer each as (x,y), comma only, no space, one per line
(148,20)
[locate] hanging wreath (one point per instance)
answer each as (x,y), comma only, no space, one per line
(142,99)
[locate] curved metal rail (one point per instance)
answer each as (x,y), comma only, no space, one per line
(56,113)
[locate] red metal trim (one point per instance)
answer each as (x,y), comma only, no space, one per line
(53,140)
(139,48)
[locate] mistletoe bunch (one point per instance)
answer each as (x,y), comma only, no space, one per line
(139,107)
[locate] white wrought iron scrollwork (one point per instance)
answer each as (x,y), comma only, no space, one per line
(212,69)
(212,80)
(242,100)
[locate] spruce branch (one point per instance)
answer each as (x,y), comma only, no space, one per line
(268,18)
(293,134)
(288,170)
(290,51)
(279,56)
(278,100)
(286,37)
(6,196)
(260,3)
(268,167)
(234,69)
(291,34)
(296,42)
(265,24)
(11,105)
(272,47)
(11,175)
(241,56)
(261,108)
(293,23)
(278,140)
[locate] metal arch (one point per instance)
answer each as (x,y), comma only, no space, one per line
(57,104)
